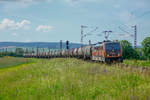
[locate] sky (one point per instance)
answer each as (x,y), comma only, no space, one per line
(55,20)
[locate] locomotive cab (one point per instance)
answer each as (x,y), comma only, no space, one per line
(113,51)
(107,51)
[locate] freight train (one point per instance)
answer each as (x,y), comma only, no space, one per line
(106,51)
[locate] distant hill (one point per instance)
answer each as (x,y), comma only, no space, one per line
(53,45)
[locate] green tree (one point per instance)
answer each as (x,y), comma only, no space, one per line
(146,47)
(137,54)
(128,51)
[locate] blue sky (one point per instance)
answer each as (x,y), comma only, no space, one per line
(54,20)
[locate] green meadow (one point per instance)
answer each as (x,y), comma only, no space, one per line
(7,62)
(71,79)
(137,63)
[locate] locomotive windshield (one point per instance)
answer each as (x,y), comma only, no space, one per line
(112,46)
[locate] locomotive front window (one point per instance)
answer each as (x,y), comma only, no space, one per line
(112,46)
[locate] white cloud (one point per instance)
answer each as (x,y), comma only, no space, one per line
(24,24)
(44,28)
(12,25)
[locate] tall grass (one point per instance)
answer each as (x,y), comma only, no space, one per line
(138,63)
(72,79)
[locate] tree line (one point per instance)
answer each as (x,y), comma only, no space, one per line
(18,53)
(139,53)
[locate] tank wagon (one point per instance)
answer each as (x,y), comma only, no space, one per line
(106,51)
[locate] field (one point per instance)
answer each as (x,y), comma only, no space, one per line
(137,63)
(7,62)
(72,79)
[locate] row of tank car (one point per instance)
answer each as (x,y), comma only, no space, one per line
(76,52)
(106,51)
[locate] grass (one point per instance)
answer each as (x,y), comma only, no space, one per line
(138,63)
(7,62)
(73,79)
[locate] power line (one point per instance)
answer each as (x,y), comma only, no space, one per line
(123,30)
(86,34)
(89,33)
(82,34)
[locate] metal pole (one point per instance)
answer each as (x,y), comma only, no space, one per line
(32,50)
(89,42)
(37,51)
(135,36)
(60,47)
(82,35)
(107,35)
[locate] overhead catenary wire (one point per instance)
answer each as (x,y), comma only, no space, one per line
(84,34)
